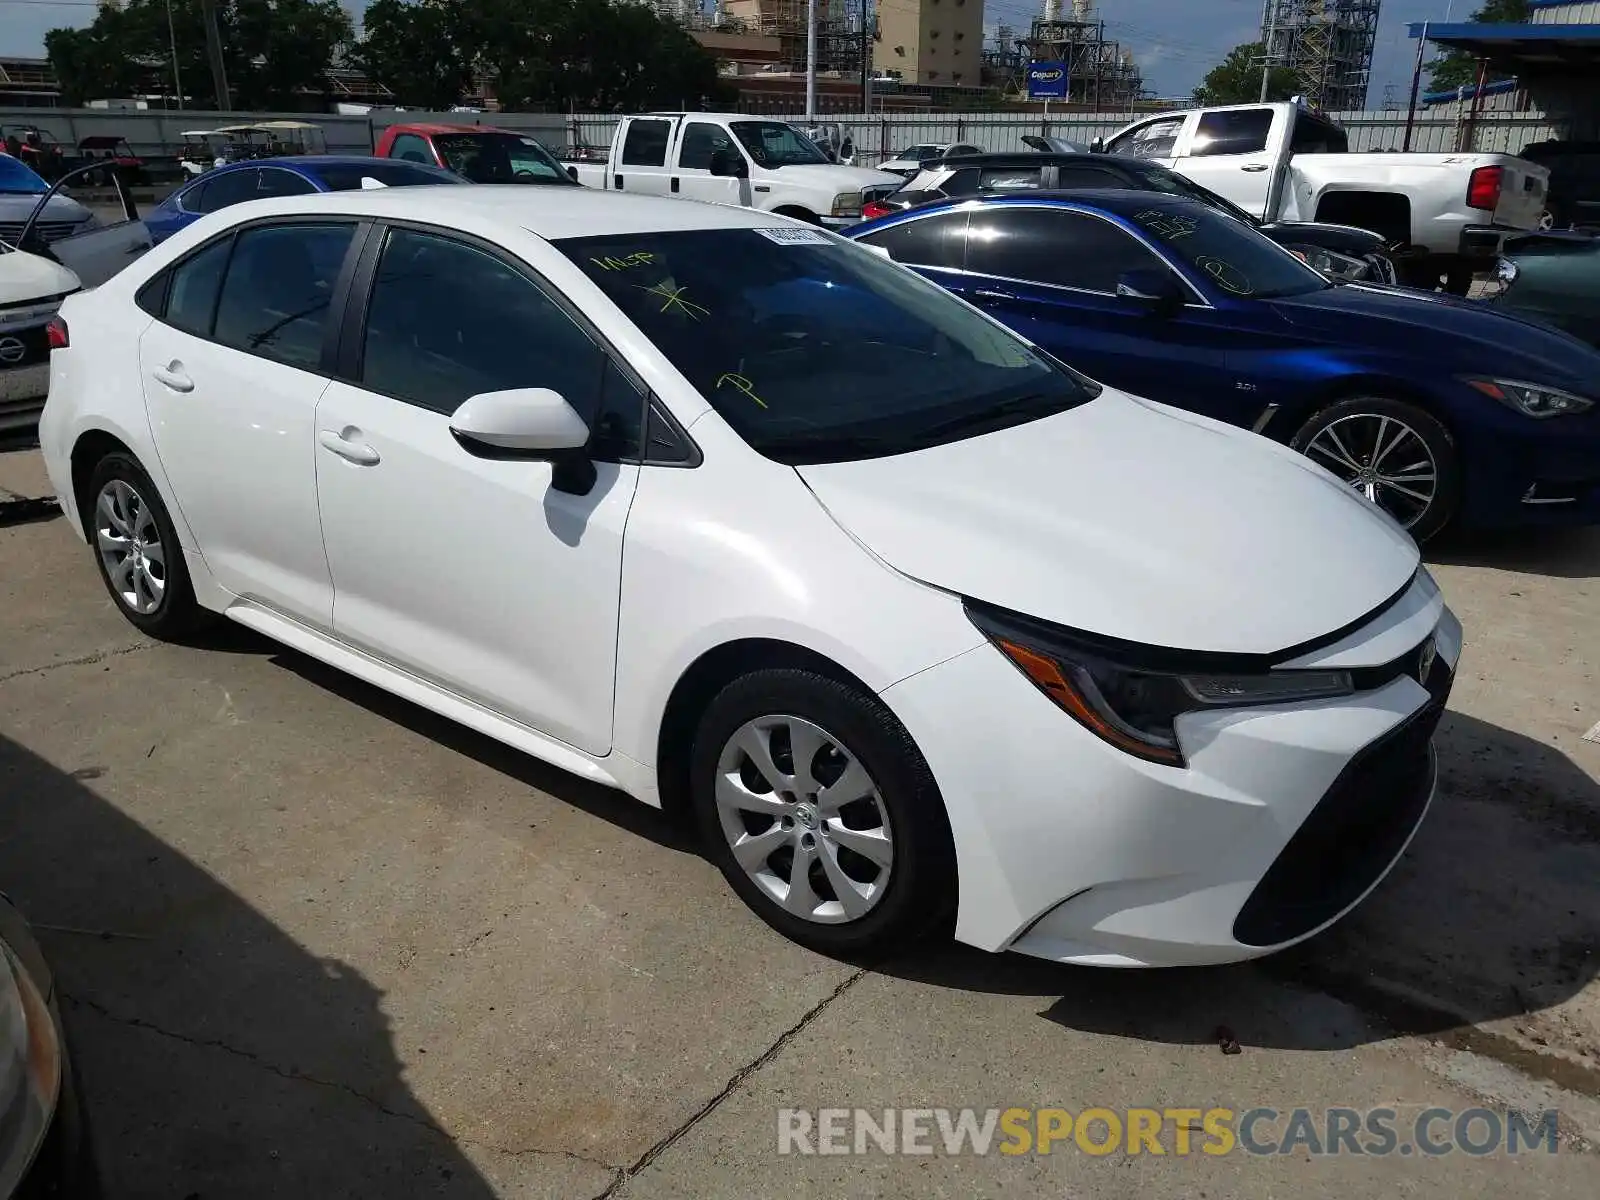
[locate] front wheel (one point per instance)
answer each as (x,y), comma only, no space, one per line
(1395,454)
(821,813)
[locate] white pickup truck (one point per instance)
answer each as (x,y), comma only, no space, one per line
(1444,213)
(734,159)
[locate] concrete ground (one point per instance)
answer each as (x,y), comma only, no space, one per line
(313,941)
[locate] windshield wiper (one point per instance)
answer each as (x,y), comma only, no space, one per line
(984,420)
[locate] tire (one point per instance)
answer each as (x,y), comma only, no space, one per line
(155,593)
(1344,438)
(898,895)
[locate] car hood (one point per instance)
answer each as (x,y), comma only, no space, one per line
(1466,336)
(1131,520)
(834,178)
(25,277)
(17,206)
(1345,239)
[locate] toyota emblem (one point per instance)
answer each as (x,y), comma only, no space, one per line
(11,350)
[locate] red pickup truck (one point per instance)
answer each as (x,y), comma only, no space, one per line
(478,153)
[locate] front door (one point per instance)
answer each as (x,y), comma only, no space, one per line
(693,178)
(1052,275)
(231,378)
(472,571)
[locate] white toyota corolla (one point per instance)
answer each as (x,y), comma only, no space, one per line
(738,516)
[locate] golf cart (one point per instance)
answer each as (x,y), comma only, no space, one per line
(204,149)
(291,137)
(113,150)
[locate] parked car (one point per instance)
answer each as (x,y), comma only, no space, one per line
(1432,407)
(254,179)
(1552,277)
(910,160)
(730,158)
(1284,162)
(45,1149)
(50,246)
(1339,251)
(477,153)
(734,515)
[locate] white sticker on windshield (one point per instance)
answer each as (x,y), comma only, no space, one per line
(795,237)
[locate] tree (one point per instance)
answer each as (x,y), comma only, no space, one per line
(1457,68)
(423,52)
(274,51)
(1237,79)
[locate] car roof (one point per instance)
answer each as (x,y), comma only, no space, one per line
(1030,158)
(1117,201)
(548,212)
(443,127)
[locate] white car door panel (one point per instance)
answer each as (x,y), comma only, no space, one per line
(1231,152)
(473,572)
(234,429)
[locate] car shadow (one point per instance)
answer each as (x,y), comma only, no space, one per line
(1555,552)
(1493,912)
(217,1057)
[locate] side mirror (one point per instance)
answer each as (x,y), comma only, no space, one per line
(1098,146)
(1158,292)
(729,163)
(534,423)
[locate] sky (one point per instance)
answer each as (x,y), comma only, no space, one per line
(1175,41)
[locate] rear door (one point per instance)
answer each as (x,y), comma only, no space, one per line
(1231,151)
(1051,274)
(641,155)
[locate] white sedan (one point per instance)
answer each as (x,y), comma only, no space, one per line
(742,518)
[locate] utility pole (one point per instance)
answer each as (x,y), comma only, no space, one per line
(1269,20)
(172,40)
(219,74)
(866,57)
(811,60)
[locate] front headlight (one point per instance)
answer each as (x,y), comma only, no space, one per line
(847,204)
(30,1070)
(1332,264)
(1532,399)
(1135,707)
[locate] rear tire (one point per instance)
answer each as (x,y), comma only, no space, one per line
(865,870)
(137,550)
(1397,455)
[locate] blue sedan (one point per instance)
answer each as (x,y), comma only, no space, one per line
(1435,408)
(255,179)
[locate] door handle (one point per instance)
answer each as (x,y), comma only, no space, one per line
(345,446)
(986,294)
(674,183)
(172,376)
(1254,168)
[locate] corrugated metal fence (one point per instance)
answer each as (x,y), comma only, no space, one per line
(878,136)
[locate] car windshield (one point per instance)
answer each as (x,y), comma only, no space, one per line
(1234,257)
(1152,177)
(17,178)
(348,177)
(499,158)
(817,350)
(774,144)
(920,153)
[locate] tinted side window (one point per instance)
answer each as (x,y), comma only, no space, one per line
(447,321)
(963,183)
(1314,136)
(192,301)
(1011,179)
(646,144)
(194,198)
(234,187)
(280,283)
(1046,246)
(1243,131)
(411,148)
(699,141)
(928,242)
(1088,177)
(277,182)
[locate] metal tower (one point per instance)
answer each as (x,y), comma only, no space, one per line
(1327,44)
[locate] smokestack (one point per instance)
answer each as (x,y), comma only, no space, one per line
(1052,10)
(1081,10)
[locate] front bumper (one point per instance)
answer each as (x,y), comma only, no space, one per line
(1070,850)
(1525,472)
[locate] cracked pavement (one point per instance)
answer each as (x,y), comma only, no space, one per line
(310,940)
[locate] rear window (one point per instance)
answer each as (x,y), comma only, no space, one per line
(499,158)
(1313,135)
(815,350)
(347,177)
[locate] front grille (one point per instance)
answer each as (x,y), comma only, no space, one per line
(1354,832)
(51,231)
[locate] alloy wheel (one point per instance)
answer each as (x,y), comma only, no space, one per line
(129,543)
(1384,459)
(804,819)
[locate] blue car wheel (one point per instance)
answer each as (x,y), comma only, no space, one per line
(1395,454)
